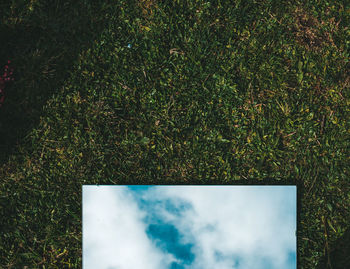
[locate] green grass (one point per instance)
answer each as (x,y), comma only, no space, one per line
(255,90)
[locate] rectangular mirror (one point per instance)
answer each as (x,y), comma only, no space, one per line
(197,227)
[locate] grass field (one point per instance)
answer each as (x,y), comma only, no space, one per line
(171,92)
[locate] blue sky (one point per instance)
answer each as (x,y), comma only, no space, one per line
(183,227)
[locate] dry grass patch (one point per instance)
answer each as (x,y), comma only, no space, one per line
(307,30)
(146,6)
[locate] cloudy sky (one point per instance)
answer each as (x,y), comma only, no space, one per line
(183,227)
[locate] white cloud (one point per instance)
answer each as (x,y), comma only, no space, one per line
(228,226)
(113,233)
(243,220)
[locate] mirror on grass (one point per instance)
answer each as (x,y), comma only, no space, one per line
(197,227)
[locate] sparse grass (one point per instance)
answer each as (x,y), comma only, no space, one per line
(207,92)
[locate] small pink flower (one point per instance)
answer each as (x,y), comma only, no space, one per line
(5,78)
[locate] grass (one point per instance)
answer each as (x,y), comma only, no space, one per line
(207,92)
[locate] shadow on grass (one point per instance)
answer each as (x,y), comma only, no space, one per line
(339,257)
(41,45)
